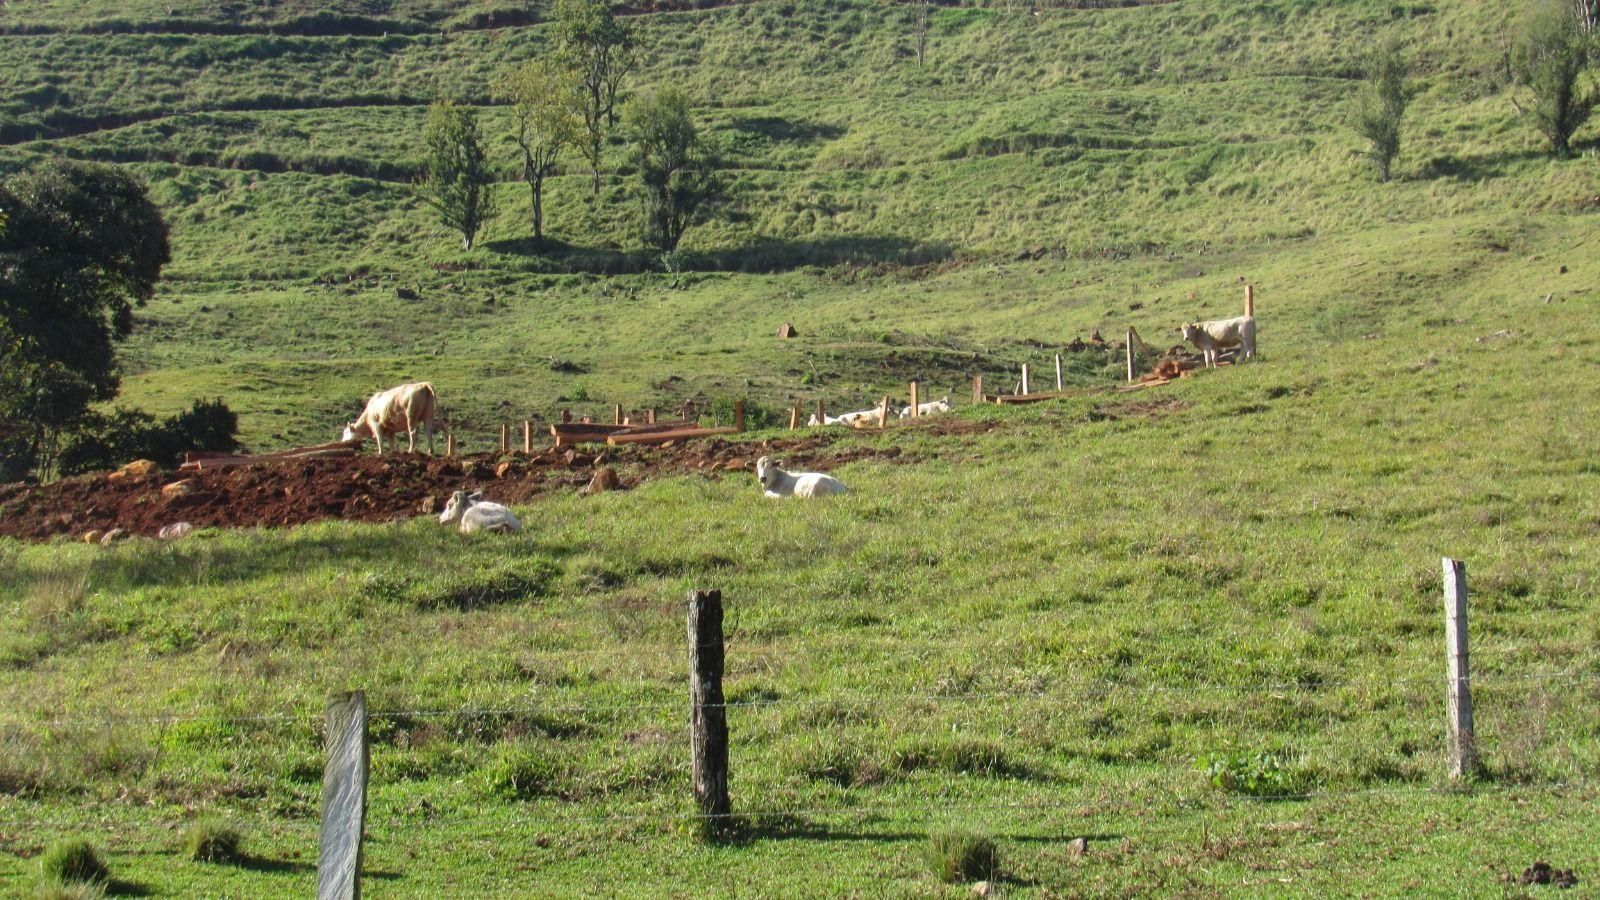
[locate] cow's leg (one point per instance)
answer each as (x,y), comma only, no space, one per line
(429,425)
(377,435)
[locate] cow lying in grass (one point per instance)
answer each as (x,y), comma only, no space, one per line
(477,514)
(1209,337)
(852,419)
(929,408)
(404,408)
(775,482)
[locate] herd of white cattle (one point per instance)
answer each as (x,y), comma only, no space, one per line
(413,407)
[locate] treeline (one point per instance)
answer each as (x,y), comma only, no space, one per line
(1545,61)
(570,102)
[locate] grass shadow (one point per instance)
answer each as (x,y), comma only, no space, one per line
(1475,167)
(273,866)
(759,256)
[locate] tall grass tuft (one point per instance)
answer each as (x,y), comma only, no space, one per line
(957,855)
(214,841)
(73,862)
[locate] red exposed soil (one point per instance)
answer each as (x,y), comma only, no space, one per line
(369,488)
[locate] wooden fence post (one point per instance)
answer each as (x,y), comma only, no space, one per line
(738,414)
(708,716)
(1462,748)
(822,417)
(1130,355)
(616,414)
(883,412)
(1249,299)
(1026,387)
(527,436)
(915,399)
(449,443)
(977,389)
(794,415)
(650,416)
(344,798)
(505,437)
(1058,372)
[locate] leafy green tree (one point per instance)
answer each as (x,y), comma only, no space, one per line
(457,180)
(678,181)
(1381,107)
(602,51)
(546,116)
(1548,59)
(83,246)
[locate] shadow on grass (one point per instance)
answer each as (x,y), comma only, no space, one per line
(1477,166)
(119,888)
(273,866)
(761,255)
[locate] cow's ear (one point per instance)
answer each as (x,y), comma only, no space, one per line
(475,496)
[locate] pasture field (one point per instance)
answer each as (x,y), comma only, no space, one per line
(1199,624)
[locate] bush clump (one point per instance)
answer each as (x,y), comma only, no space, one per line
(1255,774)
(214,841)
(957,855)
(73,862)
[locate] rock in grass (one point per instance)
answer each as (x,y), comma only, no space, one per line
(175,531)
(1078,847)
(114,535)
(74,861)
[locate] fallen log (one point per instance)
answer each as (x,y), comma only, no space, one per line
(661,437)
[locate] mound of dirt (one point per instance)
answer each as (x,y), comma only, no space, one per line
(396,486)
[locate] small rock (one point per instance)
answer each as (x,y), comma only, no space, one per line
(734,465)
(501,470)
(1561,271)
(605,479)
(114,535)
(178,489)
(175,531)
(139,468)
(786,331)
(570,457)
(430,505)
(92,536)
(1078,847)
(985,889)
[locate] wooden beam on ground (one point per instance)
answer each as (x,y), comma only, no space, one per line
(661,437)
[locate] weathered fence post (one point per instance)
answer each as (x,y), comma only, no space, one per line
(1130,356)
(1249,299)
(915,398)
(794,415)
(1026,387)
(883,412)
(977,389)
(822,417)
(738,414)
(527,436)
(616,414)
(650,416)
(708,716)
(505,437)
(344,798)
(1058,372)
(449,444)
(566,417)
(1462,748)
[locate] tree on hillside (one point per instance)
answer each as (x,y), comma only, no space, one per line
(83,246)
(678,182)
(602,51)
(457,181)
(1548,59)
(546,116)
(1381,107)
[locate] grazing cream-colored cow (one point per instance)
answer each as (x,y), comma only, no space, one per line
(405,408)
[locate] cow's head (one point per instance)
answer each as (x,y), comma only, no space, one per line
(459,503)
(766,472)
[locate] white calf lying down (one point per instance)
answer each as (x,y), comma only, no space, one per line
(851,418)
(1209,337)
(477,514)
(775,482)
(928,409)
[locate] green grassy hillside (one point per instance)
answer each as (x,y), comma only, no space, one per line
(1040,632)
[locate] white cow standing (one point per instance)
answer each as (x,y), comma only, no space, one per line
(404,408)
